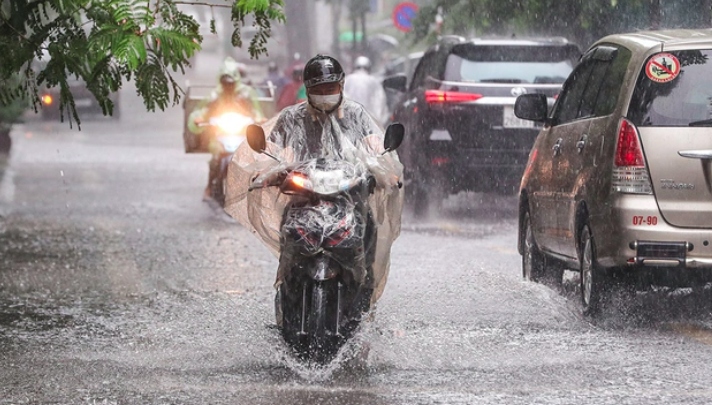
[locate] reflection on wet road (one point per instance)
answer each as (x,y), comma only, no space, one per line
(119,286)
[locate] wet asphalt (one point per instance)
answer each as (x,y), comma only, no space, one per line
(118,285)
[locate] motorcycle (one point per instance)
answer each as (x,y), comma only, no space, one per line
(327,248)
(228,129)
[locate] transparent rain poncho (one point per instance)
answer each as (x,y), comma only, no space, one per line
(298,136)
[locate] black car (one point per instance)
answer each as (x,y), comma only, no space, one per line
(458,110)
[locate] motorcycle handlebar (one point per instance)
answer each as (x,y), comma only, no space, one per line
(277,178)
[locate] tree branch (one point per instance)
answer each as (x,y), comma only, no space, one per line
(202,3)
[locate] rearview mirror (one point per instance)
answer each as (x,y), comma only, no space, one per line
(396,82)
(256,138)
(394,136)
(532,107)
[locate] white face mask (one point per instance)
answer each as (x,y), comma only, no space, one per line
(324,103)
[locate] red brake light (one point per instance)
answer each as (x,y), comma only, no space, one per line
(628,152)
(439,96)
(338,237)
(307,236)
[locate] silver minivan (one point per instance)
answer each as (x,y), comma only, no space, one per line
(619,181)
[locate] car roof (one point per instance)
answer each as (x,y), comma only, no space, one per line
(643,41)
(521,41)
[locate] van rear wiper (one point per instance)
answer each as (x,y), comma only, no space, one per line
(702,123)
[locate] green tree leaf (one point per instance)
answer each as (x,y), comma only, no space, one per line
(107,43)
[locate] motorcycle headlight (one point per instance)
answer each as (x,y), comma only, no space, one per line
(232,122)
(300,181)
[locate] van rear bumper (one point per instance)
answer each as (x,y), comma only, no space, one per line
(640,237)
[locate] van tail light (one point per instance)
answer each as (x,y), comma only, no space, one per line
(630,174)
(439,96)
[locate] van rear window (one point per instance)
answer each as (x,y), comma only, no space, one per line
(685,98)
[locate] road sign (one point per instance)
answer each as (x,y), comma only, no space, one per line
(403,15)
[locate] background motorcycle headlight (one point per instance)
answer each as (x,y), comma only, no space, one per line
(232,122)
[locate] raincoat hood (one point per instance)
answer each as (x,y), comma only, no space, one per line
(230,67)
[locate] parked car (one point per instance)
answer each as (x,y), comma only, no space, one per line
(84,101)
(618,183)
(458,110)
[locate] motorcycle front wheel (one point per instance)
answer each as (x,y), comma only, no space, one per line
(320,339)
(309,325)
(219,188)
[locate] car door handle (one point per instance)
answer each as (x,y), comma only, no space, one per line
(581,144)
(696,154)
(557,147)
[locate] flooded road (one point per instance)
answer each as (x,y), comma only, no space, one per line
(119,286)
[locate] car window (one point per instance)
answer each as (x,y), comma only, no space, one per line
(424,68)
(592,89)
(612,83)
(431,65)
(604,84)
(568,103)
(685,98)
(510,64)
(412,63)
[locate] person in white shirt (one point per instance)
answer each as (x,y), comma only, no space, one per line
(367,90)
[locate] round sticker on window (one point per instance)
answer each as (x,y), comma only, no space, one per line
(663,68)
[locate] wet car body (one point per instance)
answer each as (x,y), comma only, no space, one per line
(404,65)
(618,183)
(458,110)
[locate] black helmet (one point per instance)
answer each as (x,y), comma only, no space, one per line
(322,69)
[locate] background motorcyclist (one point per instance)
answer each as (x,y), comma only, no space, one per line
(294,91)
(275,77)
(231,94)
(366,89)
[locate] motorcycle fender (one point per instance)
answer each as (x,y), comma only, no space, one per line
(323,269)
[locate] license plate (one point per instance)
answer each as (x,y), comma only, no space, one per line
(83,102)
(509,120)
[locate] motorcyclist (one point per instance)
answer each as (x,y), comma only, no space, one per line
(327,125)
(230,94)
(294,91)
(367,90)
(325,117)
(275,77)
